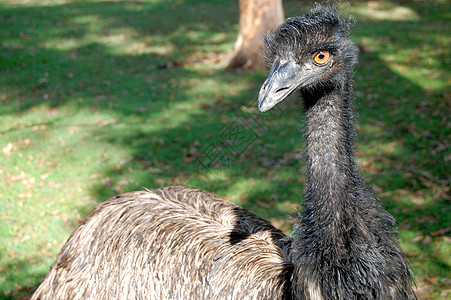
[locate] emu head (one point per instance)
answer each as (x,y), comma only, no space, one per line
(308,53)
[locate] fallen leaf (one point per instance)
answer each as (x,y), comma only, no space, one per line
(65,218)
(263,199)
(188,158)
(17,287)
(17,177)
(416,239)
(443,231)
(26,195)
(432,279)
(411,254)
(427,240)
(106,181)
(153,170)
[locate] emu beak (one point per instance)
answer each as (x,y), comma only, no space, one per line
(281,82)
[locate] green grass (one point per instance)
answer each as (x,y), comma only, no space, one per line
(92,106)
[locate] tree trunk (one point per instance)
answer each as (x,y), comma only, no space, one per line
(257,17)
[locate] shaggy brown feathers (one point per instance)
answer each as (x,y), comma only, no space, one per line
(169,243)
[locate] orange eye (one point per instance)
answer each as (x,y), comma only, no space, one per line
(321,57)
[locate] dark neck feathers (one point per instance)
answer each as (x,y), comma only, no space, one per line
(329,138)
(345,244)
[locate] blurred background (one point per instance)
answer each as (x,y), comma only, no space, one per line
(103,97)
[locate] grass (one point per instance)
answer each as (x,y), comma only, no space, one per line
(94,102)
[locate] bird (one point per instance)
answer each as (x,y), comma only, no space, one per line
(182,243)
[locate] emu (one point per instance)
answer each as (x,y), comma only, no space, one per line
(180,243)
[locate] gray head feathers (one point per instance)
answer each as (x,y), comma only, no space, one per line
(322,27)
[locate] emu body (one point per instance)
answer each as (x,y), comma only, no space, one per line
(170,243)
(178,243)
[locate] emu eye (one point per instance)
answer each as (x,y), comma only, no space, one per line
(321,57)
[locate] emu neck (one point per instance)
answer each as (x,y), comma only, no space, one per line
(336,200)
(344,245)
(332,177)
(333,219)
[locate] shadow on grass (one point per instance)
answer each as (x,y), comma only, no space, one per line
(61,55)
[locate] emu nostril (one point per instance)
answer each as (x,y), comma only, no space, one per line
(281,90)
